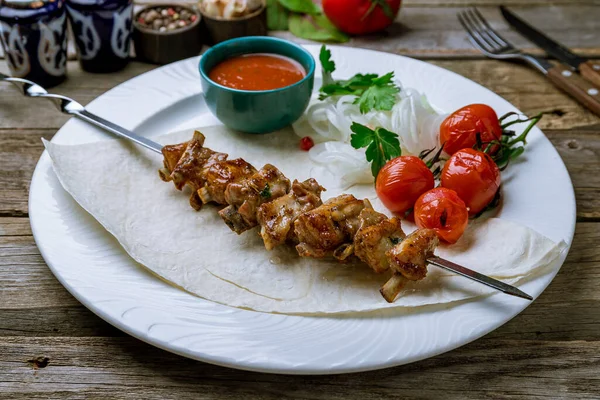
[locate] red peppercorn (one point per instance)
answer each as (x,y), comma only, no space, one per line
(193,18)
(306,143)
(141,21)
(170,11)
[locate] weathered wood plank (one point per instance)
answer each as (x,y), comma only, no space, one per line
(425,32)
(580,151)
(126,368)
(14,226)
(33,303)
(19,152)
(25,278)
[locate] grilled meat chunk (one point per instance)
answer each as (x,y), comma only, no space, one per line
(408,261)
(276,218)
(221,174)
(330,228)
(246,196)
(187,163)
(376,235)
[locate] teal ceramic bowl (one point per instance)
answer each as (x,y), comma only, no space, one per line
(257,111)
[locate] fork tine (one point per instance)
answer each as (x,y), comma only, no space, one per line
(490,31)
(474,36)
(482,31)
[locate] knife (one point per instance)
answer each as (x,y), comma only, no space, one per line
(589,69)
(71,107)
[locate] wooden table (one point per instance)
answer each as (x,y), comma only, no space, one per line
(53,347)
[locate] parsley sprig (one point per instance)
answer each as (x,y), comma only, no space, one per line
(373,92)
(382,145)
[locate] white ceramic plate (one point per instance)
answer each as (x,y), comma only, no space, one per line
(97,271)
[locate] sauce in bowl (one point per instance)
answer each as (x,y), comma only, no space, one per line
(257,72)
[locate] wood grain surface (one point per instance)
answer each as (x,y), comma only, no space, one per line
(53,347)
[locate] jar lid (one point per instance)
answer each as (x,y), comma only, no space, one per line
(25,4)
(27,11)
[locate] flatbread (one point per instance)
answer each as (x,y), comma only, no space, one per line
(118,184)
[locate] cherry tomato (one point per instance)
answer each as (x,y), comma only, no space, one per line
(401,181)
(459,130)
(357,17)
(306,143)
(442,210)
(474,176)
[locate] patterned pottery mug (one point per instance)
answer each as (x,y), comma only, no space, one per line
(102,31)
(34,38)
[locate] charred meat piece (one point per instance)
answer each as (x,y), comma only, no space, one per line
(246,196)
(221,174)
(408,261)
(376,235)
(186,164)
(276,218)
(330,228)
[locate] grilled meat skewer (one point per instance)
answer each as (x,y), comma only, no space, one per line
(295,214)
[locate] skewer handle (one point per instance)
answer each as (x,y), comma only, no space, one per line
(71,107)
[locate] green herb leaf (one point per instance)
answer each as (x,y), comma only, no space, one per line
(315,27)
(380,98)
(301,6)
(266,192)
(382,145)
(327,65)
(277,16)
(373,92)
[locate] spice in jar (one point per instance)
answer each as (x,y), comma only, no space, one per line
(165,19)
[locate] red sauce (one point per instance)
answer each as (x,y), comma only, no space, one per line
(257,72)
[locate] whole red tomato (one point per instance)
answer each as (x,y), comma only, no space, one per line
(357,17)
(401,181)
(474,176)
(459,130)
(443,211)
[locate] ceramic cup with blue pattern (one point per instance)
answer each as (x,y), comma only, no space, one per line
(34,38)
(102,31)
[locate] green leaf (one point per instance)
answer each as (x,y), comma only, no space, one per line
(386,79)
(362,135)
(301,6)
(381,98)
(327,65)
(315,28)
(382,145)
(277,16)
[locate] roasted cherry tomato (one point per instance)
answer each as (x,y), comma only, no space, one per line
(442,210)
(474,176)
(401,181)
(357,17)
(459,130)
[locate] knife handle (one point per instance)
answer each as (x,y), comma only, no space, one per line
(573,84)
(590,70)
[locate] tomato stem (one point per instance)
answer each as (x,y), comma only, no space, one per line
(387,10)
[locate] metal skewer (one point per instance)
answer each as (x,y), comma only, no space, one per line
(71,107)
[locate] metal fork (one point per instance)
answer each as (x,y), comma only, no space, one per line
(490,43)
